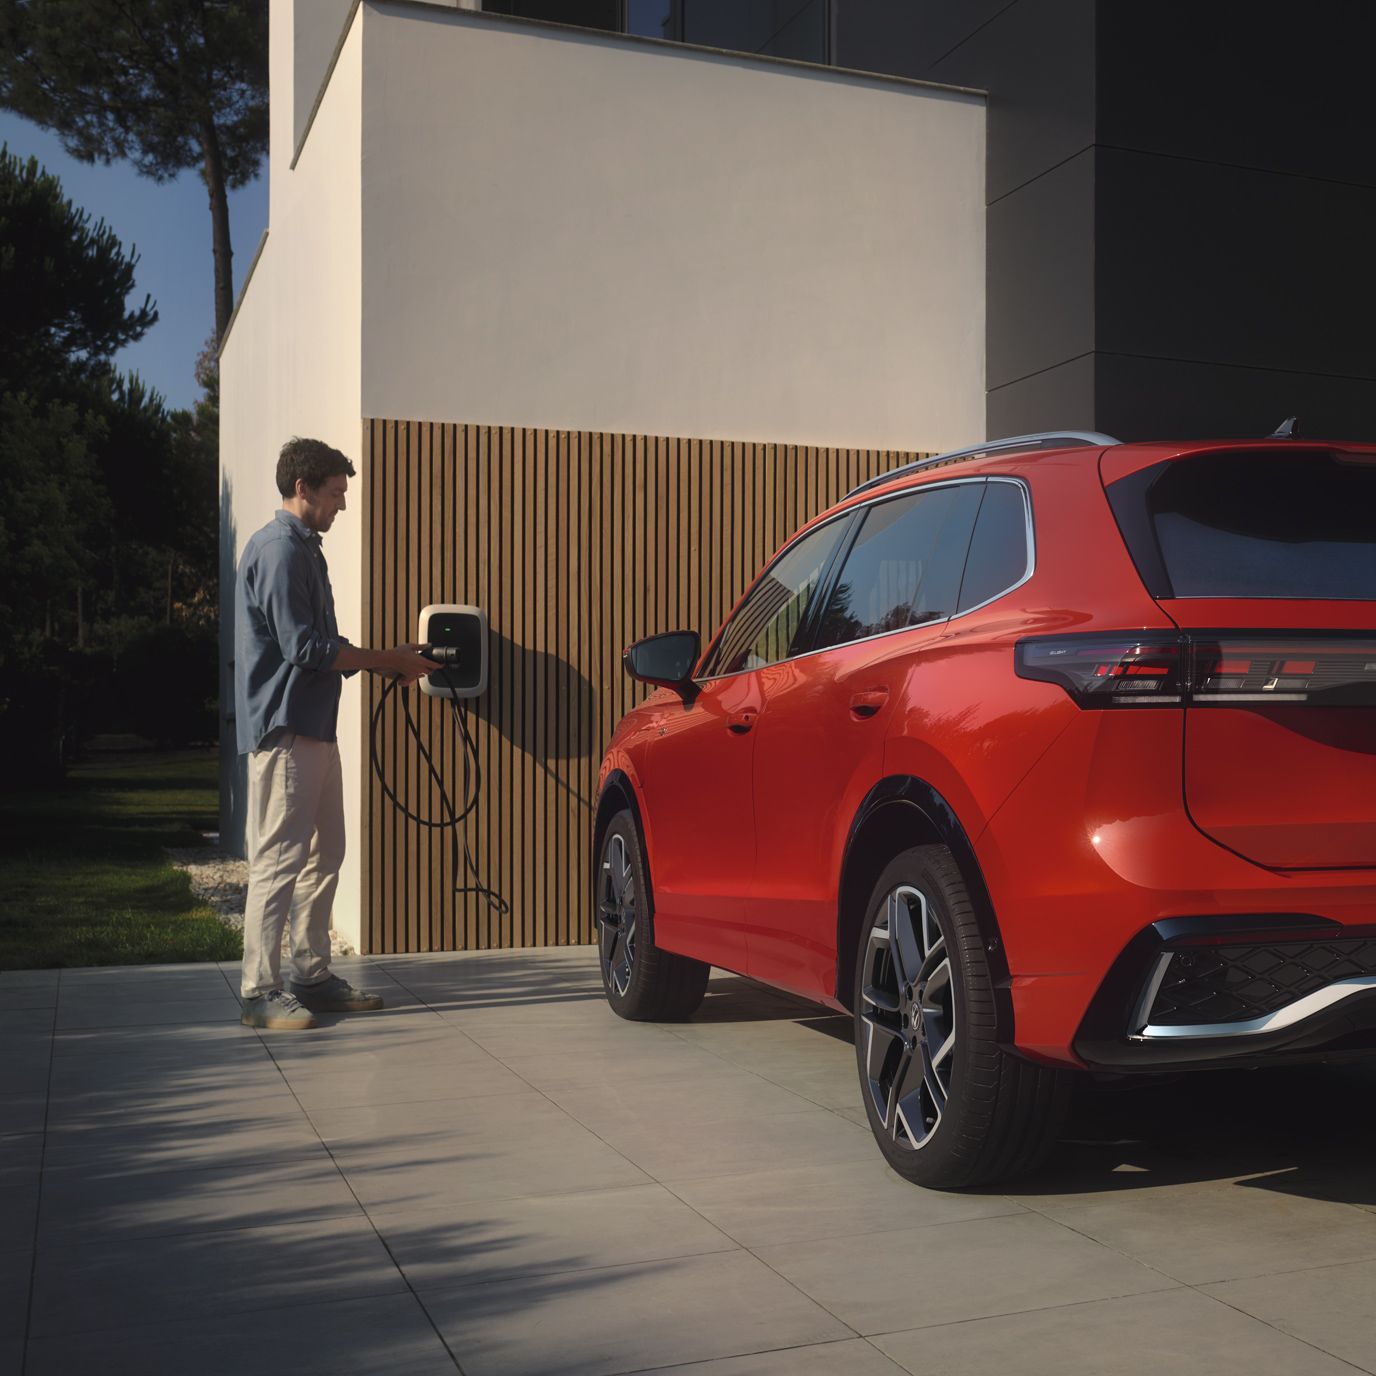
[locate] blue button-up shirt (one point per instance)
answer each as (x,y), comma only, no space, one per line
(285,636)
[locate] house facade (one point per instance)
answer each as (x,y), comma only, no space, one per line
(603,311)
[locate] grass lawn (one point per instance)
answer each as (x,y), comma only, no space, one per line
(83,878)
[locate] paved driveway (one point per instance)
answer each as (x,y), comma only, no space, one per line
(496,1175)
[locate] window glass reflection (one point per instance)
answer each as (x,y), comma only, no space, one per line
(588,14)
(653,18)
(998,552)
(777,28)
(764,627)
(904,567)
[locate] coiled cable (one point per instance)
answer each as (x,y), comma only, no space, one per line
(451,817)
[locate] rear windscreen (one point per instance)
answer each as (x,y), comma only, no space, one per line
(1299,525)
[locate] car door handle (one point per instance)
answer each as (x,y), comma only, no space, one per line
(866,704)
(741,722)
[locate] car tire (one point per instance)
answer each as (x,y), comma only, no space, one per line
(948,1107)
(642,982)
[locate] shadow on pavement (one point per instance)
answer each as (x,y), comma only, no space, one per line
(1302,1130)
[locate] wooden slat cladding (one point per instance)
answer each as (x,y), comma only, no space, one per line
(575,544)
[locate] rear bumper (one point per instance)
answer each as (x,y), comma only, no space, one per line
(1191,992)
(1087,864)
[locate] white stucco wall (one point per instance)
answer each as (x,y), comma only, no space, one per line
(507,223)
(291,366)
(582,231)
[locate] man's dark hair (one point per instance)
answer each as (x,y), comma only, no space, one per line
(310,460)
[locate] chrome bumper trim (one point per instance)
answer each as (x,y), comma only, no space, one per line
(1317,1002)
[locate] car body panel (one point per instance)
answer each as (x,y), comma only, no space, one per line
(699,790)
(820,749)
(1087,826)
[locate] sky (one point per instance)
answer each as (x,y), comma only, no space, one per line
(169,225)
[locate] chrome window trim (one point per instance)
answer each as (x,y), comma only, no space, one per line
(1019,483)
(1308,1006)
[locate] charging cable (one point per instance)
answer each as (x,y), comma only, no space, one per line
(451,817)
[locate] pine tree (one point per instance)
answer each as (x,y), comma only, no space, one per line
(168,85)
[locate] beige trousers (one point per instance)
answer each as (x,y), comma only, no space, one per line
(295,849)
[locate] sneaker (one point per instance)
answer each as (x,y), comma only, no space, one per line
(335,995)
(276,1009)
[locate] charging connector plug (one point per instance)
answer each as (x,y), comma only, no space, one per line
(440,654)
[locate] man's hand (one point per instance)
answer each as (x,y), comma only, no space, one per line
(406,663)
(402,662)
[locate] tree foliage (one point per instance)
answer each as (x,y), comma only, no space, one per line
(63,281)
(168,85)
(108,502)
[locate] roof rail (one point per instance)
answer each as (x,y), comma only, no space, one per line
(1047,439)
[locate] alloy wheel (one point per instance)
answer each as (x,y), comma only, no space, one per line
(909,1018)
(616,915)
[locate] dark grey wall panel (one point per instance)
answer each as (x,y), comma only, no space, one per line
(1286,88)
(1183,187)
(1229,265)
(1040,281)
(1147,398)
(904,38)
(1036,60)
(1059,398)
(879,36)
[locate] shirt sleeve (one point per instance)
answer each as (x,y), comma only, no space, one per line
(283,594)
(348,673)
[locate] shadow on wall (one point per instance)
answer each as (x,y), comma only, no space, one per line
(538,702)
(233,766)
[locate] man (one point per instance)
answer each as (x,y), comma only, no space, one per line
(289,666)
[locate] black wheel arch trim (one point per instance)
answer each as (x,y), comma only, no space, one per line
(618,782)
(910,791)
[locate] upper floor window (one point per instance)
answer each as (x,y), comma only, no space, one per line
(798,29)
(588,14)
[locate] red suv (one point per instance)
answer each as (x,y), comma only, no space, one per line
(1054,755)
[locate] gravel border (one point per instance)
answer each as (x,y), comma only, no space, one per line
(221,881)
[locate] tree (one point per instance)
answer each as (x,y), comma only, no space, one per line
(63,284)
(63,280)
(168,85)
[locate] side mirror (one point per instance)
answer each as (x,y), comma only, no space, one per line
(666,660)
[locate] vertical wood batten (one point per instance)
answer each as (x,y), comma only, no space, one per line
(575,544)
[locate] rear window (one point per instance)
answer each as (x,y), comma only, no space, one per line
(1293,525)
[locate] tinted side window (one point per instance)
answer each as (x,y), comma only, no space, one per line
(904,567)
(998,551)
(765,624)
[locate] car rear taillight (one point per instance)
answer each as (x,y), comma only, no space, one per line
(1323,671)
(1205,668)
(1108,671)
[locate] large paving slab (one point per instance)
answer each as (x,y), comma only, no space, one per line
(85,1286)
(1143,1335)
(1328,1307)
(124,1201)
(851,1356)
(599,1321)
(496,1175)
(387,1335)
(953,1271)
(504,1239)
